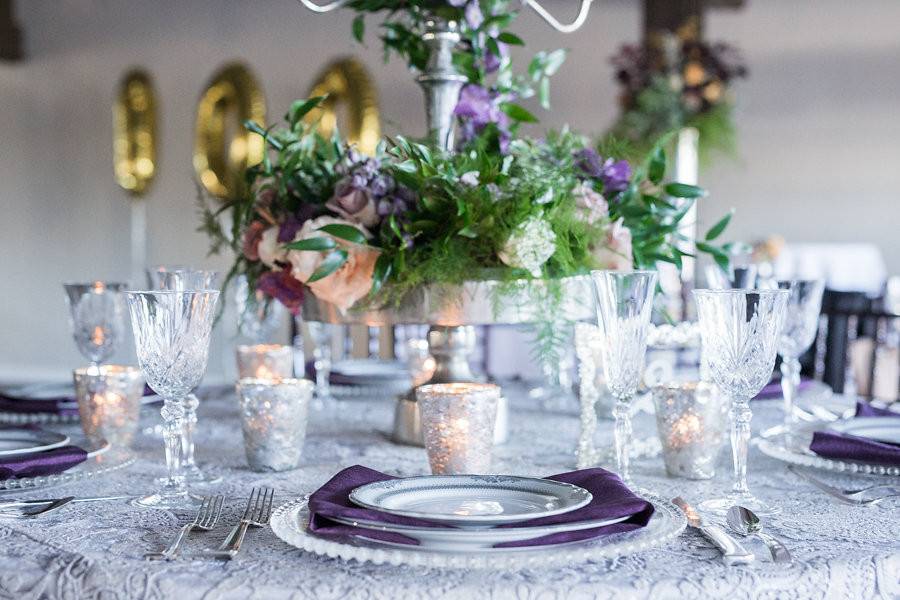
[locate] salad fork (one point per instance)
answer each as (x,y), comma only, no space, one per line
(259,508)
(206,519)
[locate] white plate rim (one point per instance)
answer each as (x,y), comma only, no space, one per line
(851,426)
(290,520)
(60,439)
(356,496)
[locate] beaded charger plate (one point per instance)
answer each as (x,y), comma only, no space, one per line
(798,453)
(289,522)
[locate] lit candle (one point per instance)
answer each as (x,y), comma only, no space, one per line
(109,403)
(690,419)
(272,362)
(458,425)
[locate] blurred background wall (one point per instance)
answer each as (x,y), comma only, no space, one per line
(818,120)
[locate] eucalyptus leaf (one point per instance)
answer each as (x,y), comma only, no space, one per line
(359,27)
(657,168)
(313,244)
(517,113)
(717,229)
(331,263)
(344,232)
(684,190)
(510,38)
(300,108)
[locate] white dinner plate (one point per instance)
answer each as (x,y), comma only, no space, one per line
(471,500)
(369,371)
(23,441)
(477,540)
(879,429)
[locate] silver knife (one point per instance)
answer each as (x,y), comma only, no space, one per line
(732,551)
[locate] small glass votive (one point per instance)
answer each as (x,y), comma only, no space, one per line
(273,419)
(272,362)
(109,402)
(690,419)
(458,426)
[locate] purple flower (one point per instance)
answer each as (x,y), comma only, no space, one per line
(289,229)
(282,286)
(477,108)
(616,175)
(474,16)
(382,185)
(589,162)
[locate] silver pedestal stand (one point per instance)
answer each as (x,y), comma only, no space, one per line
(452,313)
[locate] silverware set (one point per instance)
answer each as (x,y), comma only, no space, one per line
(256,514)
(742,522)
(865,496)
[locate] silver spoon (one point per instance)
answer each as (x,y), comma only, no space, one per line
(744,521)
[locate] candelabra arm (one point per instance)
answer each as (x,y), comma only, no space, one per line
(563,28)
(323,8)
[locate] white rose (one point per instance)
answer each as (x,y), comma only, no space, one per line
(270,249)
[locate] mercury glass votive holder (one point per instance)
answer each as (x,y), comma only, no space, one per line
(458,426)
(690,419)
(109,402)
(273,420)
(272,362)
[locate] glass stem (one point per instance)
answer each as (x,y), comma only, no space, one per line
(187,432)
(622,436)
(173,416)
(790,383)
(740,441)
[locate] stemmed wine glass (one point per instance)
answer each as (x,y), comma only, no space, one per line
(739,330)
(321,334)
(97,314)
(624,304)
(801,322)
(181,279)
(171,334)
(743,277)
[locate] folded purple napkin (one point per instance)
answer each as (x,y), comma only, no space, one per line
(611,499)
(842,446)
(48,462)
(773,389)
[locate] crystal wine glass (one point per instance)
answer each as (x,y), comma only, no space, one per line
(97,312)
(179,279)
(801,321)
(740,330)
(743,277)
(624,304)
(171,334)
(321,334)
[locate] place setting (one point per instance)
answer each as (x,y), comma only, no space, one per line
(557,300)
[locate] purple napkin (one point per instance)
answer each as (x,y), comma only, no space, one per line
(850,447)
(773,389)
(64,405)
(611,499)
(47,462)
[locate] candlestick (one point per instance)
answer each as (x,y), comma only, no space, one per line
(273,420)
(690,419)
(458,425)
(109,402)
(271,362)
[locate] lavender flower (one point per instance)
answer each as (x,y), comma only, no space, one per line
(616,175)
(477,108)
(589,162)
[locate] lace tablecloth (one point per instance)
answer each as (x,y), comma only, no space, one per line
(94,550)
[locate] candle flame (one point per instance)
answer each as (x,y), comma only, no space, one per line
(264,372)
(98,336)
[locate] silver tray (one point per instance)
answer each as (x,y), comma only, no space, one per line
(473,303)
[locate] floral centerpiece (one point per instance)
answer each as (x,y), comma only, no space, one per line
(687,84)
(365,231)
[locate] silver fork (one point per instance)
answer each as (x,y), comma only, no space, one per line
(849,496)
(206,519)
(21,510)
(259,508)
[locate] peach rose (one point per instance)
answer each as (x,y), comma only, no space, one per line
(616,252)
(351,281)
(593,206)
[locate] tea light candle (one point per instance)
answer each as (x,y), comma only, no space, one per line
(690,420)
(109,402)
(458,425)
(271,362)
(273,421)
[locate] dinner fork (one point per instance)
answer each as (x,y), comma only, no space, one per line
(259,508)
(25,512)
(206,519)
(849,496)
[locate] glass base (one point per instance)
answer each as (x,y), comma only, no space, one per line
(194,475)
(720,506)
(183,501)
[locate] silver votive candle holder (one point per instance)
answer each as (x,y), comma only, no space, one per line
(690,419)
(458,426)
(273,420)
(272,362)
(109,403)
